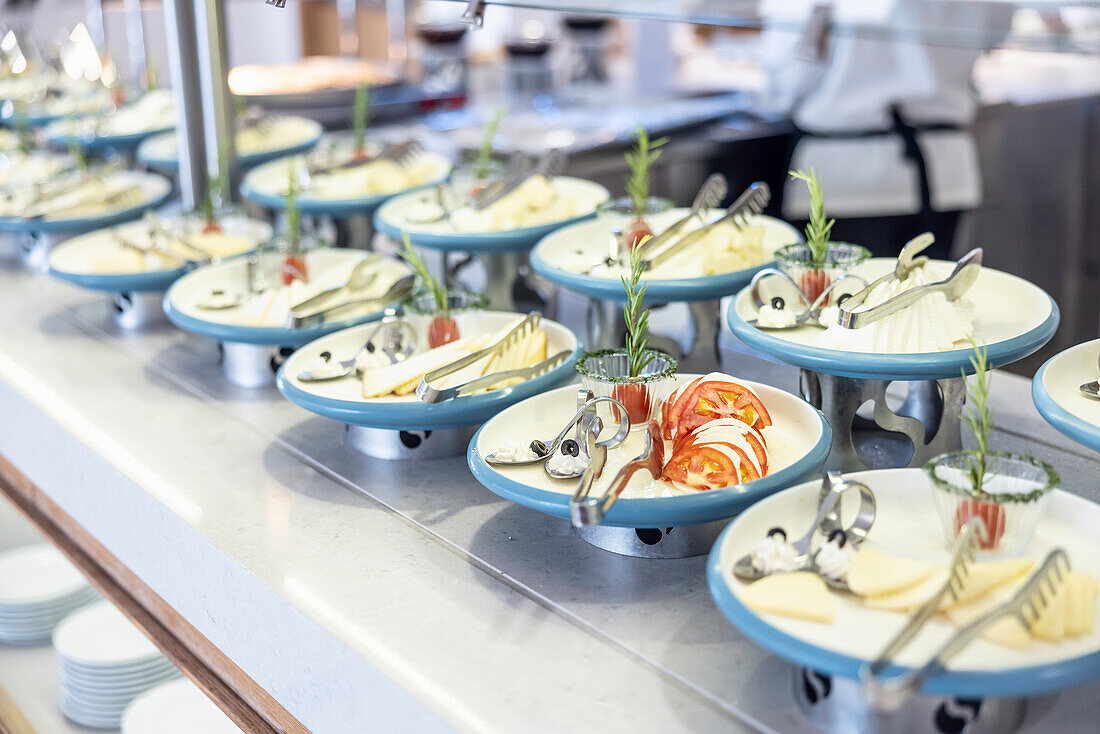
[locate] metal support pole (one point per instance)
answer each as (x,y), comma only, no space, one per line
(183,66)
(217,102)
(93,20)
(135,42)
(348,27)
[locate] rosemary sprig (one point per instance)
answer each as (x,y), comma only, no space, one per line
(75,149)
(360,116)
(636,317)
(644,154)
(819,228)
(293,215)
(485,152)
(428,282)
(979,418)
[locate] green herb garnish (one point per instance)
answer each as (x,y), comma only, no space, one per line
(636,317)
(360,116)
(75,149)
(428,282)
(819,228)
(22,128)
(979,419)
(640,159)
(485,152)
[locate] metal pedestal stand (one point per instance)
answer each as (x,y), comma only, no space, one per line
(250,365)
(681,542)
(836,704)
(35,248)
(925,425)
(385,443)
(137,310)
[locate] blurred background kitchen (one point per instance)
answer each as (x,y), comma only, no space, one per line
(975,120)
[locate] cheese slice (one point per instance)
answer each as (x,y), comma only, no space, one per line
(381,381)
(802,595)
(986,576)
(1051,622)
(1006,631)
(1081,591)
(909,599)
(874,573)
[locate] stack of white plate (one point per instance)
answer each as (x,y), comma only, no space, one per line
(38,588)
(104,662)
(178,707)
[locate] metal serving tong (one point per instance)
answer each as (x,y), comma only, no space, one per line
(429,393)
(585,510)
(362,275)
(1026,605)
(811,312)
(400,288)
(710,194)
(549,165)
(586,409)
(961,279)
(753,201)
(400,153)
(833,485)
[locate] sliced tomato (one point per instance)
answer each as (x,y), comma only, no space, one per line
(733,432)
(992,514)
(670,412)
(702,468)
(714,400)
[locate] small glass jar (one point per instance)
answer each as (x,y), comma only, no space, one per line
(293,264)
(813,278)
(620,218)
(466,180)
(1013,496)
(442,326)
(607,372)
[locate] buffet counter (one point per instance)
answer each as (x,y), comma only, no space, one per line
(266,557)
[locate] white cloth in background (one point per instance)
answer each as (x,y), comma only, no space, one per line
(853,89)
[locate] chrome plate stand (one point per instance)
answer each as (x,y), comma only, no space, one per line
(251,365)
(836,704)
(138,310)
(385,443)
(681,542)
(35,250)
(924,425)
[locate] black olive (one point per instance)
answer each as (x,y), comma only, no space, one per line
(327,356)
(839,536)
(778,303)
(539,448)
(369,347)
(777,531)
(569,447)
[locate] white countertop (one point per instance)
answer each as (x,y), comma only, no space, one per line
(374,596)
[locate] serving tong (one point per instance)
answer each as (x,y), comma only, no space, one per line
(587,402)
(751,202)
(585,510)
(362,275)
(401,153)
(398,290)
(953,286)
(811,313)
(430,393)
(828,521)
(1026,605)
(397,343)
(550,164)
(1092,389)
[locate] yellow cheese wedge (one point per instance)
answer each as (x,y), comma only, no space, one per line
(873,573)
(1006,631)
(909,599)
(1051,622)
(801,595)
(381,381)
(986,576)
(1081,591)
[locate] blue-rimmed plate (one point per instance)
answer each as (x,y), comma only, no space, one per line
(907,524)
(798,443)
(342,194)
(298,134)
(155,190)
(1054,389)
(121,130)
(263,320)
(98,262)
(563,256)
(342,399)
(1012,319)
(580,199)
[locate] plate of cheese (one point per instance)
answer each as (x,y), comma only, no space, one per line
(516,221)
(274,137)
(383,395)
(718,265)
(900,565)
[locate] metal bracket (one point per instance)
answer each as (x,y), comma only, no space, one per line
(474,14)
(277,3)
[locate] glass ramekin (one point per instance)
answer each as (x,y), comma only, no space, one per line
(607,372)
(620,218)
(1014,495)
(841,259)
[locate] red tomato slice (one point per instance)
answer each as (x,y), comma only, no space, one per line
(992,514)
(670,412)
(715,400)
(702,468)
(733,432)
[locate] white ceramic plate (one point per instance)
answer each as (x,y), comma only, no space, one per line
(178,707)
(907,525)
(37,576)
(100,635)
